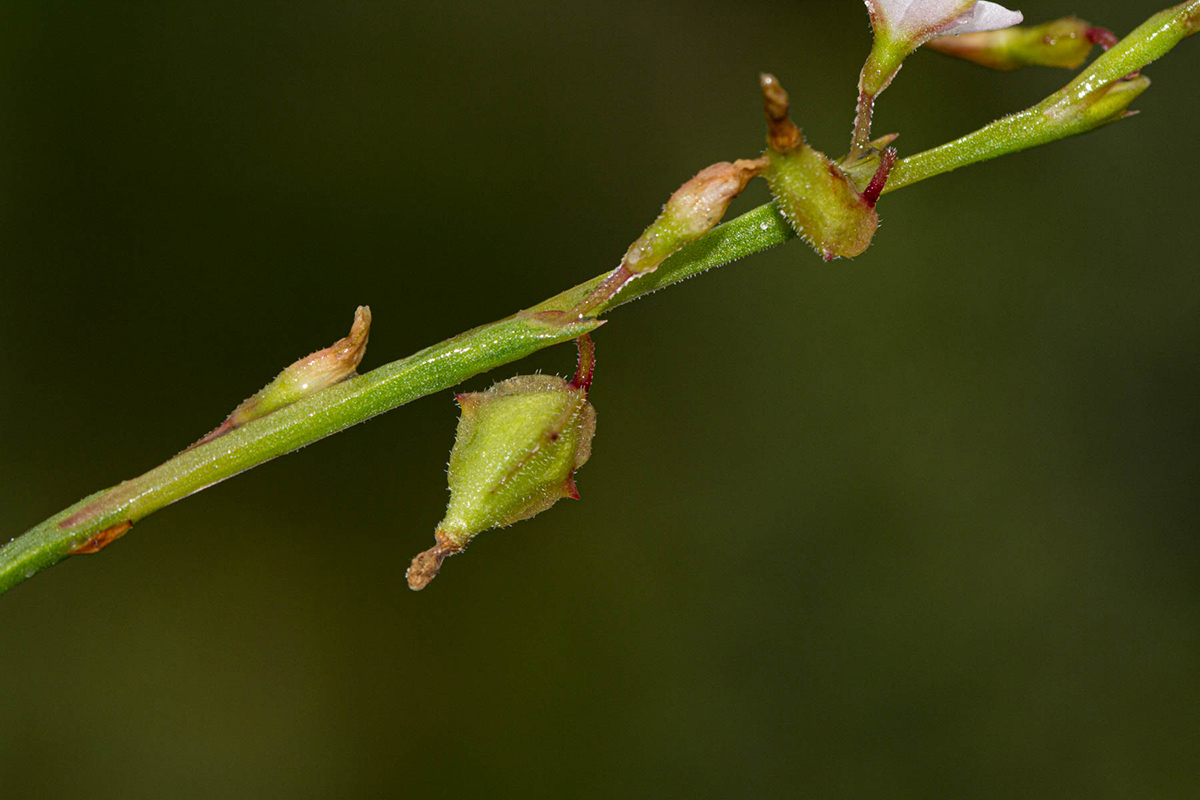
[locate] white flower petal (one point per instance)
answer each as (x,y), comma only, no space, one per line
(985,16)
(917,20)
(921,16)
(901,26)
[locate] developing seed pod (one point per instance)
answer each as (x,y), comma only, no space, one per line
(314,372)
(515,454)
(1064,43)
(820,201)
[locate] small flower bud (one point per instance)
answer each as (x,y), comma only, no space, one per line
(1111,103)
(817,197)
(310,374)
(1064,43)
(692,211)
(515,454)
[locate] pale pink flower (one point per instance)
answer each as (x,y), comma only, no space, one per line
(901,26)
(914,22)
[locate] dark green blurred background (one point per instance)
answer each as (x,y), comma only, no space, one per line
(923,524)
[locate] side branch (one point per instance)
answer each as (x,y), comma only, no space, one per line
(1099,95)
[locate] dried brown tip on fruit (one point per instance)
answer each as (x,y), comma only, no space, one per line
(426,565)
(782,134)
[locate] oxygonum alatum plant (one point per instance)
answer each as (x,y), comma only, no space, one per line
(520,443)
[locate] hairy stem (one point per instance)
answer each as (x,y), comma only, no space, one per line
(96,520)
(861,135)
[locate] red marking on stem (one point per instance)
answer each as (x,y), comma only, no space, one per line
(605,290)
(871,194)
(216,433)
(103,504)
(585,369)
(82,515)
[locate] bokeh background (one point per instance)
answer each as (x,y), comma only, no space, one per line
(921,524)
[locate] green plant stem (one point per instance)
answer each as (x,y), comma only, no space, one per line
(331,410)
(1097,96)
(449,363)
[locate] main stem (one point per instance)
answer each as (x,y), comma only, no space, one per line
(99,518)
(96,520)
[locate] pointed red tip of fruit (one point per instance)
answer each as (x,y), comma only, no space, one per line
(570,489)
